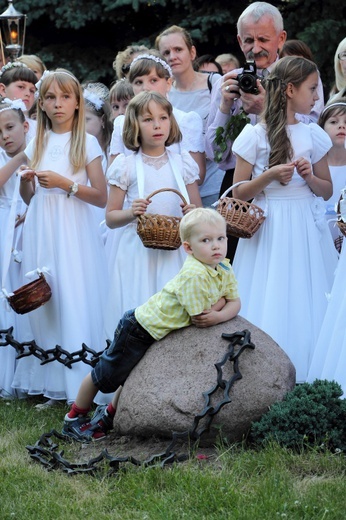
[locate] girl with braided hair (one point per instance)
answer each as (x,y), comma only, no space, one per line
(286,268)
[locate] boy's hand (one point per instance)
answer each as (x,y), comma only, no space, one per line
(207,318)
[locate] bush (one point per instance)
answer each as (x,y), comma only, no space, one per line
(310,415)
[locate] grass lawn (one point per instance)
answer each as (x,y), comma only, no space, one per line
(236,483)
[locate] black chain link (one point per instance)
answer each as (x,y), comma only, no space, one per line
(46,450)
(30,348)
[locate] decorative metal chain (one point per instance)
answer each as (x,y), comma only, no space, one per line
(46,451)
(30,348)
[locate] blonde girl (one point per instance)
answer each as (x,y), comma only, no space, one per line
(63,179)
(286,268)
(136,272)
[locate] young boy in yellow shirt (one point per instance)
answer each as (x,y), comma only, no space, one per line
(203,293)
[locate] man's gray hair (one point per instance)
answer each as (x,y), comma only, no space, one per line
(259,9)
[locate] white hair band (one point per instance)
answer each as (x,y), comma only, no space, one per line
(50,73)
(153,58)
(332,105)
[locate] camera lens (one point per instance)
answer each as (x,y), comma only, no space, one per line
(247,82)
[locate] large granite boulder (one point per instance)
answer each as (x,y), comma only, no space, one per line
(164,391)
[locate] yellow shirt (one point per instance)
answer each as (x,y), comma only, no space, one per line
(194,289)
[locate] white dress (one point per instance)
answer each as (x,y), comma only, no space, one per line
(287,267)
(137,272)
(10,273)
(329,359)
(338,174)
(61,235)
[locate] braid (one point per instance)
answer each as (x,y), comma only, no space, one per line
(294,70)
(276,118)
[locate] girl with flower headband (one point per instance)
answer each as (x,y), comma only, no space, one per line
(61,183)
(286,268)
(137,272)
(17,81)
(150,72)
(333,121)
(13,132)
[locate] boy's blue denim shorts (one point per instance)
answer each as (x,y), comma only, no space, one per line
(130,343)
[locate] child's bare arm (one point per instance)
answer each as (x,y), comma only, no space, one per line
(212,316)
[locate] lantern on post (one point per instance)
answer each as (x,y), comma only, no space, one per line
(12,32)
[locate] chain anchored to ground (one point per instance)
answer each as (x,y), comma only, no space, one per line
(46,450)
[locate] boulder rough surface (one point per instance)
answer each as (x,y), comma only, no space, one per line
(164,391)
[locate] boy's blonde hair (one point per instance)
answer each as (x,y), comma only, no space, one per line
(198,217)
(68,83)
(137,106)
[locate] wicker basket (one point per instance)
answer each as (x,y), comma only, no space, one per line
(30,296)
(160,231)
(243,218)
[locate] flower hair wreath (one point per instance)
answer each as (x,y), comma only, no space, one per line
(154,58)
(12,65)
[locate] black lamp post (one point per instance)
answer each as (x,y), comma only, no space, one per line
(12,32)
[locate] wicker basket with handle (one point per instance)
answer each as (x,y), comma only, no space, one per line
(30,296)
(160,231)
(242,218)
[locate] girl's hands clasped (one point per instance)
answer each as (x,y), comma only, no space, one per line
(304,168)
(48,179)
(281,172)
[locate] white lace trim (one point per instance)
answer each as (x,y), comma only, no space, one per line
(156,162)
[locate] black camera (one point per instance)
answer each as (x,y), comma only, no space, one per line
(247,80)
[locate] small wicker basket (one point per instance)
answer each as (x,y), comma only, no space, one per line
(30,296)
(242,218)
(160,231)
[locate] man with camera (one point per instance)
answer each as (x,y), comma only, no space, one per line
(260,36)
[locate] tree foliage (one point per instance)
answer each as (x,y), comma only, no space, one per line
(85,35)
